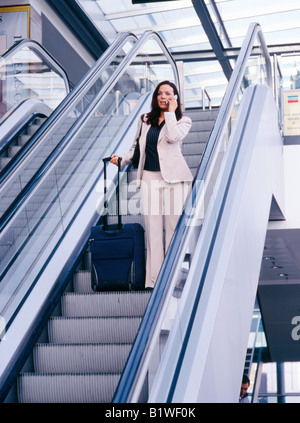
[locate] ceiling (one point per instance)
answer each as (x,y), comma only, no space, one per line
(185,28)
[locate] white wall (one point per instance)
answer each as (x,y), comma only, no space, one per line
(48,29)
(291,154)
(41,6)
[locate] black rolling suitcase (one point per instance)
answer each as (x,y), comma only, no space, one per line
(117,251)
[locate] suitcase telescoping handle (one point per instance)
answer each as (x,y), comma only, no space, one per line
(105,161)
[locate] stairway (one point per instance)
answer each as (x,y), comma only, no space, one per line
(88,346)
(11,190)
(194,144)
(20,141)
(89,342)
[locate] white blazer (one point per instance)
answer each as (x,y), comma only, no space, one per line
(173,166)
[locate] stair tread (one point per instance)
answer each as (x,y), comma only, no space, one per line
(79,344)
(106,304)
(33,374)
(93,329)
(94,317)
(70,358)
(67,387)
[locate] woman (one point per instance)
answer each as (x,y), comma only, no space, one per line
(163,172)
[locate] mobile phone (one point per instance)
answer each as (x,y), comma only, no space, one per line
(175,96)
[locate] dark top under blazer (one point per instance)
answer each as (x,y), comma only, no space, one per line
(152,159)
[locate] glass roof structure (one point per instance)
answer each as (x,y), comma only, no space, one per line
(185,32)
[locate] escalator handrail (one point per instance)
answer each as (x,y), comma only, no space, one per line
(57,151)
(136,359)
(62,110)
(47,57)
(19,117)
(232,90)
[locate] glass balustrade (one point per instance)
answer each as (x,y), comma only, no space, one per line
(72,108)
(27,71)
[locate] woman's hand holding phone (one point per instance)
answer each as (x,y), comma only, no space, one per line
(172,103)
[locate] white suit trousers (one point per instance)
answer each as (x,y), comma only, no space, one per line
(162,204)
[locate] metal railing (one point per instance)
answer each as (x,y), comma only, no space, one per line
(205,94)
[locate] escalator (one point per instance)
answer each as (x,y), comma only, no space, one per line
(89,342)
(32,85)
(44,245)
(192,342)
(31,115)
(52,194)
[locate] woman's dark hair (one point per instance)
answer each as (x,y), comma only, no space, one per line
(153,116)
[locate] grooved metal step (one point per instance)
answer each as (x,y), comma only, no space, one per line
(67,388)
(82,281)
(104,304)
(93,329)
(80,358)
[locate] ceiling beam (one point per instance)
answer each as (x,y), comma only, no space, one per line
(211,32)
(221,23)
(155,8)
(81,25)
